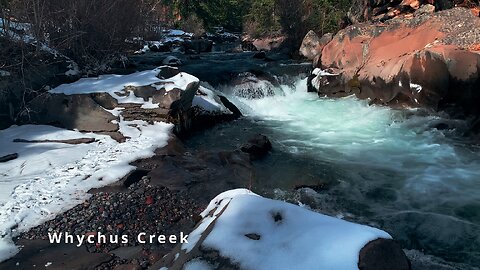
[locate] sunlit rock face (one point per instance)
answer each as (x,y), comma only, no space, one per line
(427,59)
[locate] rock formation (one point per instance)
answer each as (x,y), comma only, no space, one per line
(429,60)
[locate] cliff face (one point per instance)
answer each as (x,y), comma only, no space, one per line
(426,60)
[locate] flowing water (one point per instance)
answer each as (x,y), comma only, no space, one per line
(393,169)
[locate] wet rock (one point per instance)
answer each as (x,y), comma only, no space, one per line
(199,45)
(72,112)
(260,55)
(312,44)
(172,61)
(168,72)
(250,86)
(9,157)
(160,47)
(229,105)
(257,147)
(383,254)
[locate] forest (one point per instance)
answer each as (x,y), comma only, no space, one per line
(96,28)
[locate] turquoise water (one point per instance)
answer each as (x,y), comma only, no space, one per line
(389,168)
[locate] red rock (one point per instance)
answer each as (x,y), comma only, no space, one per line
(149,200)
(437,51)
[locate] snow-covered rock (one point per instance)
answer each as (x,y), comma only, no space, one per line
(241,230)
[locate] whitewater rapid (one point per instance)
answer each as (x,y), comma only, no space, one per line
(408,171)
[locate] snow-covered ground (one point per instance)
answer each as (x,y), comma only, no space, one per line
(49,178)
(282,235)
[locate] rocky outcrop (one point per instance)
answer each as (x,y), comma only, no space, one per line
(429,60)
(176,98)
(382,10)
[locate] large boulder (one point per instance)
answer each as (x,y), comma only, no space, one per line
(429,60)
(72,112)
(241,230)
(312,44)
(267,43)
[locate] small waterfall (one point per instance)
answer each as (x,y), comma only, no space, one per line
(410,170)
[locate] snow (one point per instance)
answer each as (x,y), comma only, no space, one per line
(4,73)
(208,101)
(73,69)
(320,72)
(177,32)
(108,83)
(416,87)
(115,85)
(198,264)
(149,104)
(299,239)
(50,178)
(143,50)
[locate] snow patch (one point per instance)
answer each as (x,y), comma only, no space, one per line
(416,87)
(50,178)
(320,72)
(289,236)
(115,85)
(208,101)
(4,73)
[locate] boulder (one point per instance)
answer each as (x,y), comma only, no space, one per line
(160,46)
(172,61)
(430,60)
(249,85)
(241,230)
(268,43)
(257,147)
(383,254)
(71,112)
(199,45)
(312,44)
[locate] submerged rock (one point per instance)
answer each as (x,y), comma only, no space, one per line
(257,147)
